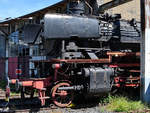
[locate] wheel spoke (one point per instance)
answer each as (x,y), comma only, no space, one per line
(58,98)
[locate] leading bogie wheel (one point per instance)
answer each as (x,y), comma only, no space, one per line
(62,98)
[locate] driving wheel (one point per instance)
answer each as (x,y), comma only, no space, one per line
(62,98)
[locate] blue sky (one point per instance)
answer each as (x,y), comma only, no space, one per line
(15,8)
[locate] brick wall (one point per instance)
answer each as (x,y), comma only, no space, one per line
(128,10)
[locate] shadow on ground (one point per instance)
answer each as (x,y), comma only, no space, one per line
(33,105)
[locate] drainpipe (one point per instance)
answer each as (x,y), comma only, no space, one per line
(7,93)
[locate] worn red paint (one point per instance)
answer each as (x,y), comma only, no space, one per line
(39,84)
(123,81)
(18,62)
(18,71)
(125,65)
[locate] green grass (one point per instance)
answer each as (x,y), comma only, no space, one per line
(123,104)
(14,94)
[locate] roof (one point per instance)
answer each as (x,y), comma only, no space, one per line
(36,13)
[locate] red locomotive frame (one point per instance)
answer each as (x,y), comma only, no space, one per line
(54,83)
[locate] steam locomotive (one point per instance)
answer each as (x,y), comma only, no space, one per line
(88,53)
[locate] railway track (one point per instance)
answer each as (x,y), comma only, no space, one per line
(50,109)
(29,105)
(57,110)
(31,110)
(33,106)
(24,106)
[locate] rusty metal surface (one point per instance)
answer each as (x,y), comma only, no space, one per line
(62,94)
(125,65)
(103,60)
(123,53)
(34,82)
(107,60)
(127,81)
(134,71)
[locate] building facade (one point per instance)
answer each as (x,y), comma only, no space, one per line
(128,10)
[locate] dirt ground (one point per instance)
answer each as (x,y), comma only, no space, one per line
(17,105)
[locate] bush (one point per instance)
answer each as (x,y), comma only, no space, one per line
(122,104)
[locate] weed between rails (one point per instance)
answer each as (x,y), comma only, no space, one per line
(122,104)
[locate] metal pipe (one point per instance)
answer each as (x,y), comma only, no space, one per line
(66,88)
(78,87)
(63,48)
